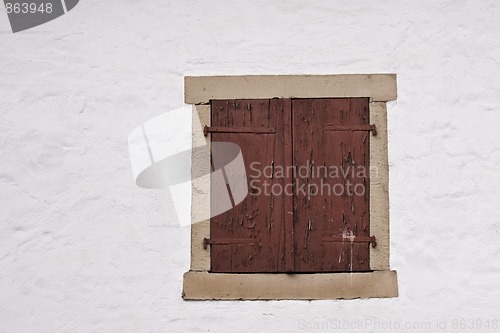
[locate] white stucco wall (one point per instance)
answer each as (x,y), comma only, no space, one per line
(83,249)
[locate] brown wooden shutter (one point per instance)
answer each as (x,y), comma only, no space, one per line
(326,133)
(306,232)
(251,236)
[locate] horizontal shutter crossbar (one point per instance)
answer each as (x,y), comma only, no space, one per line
(250,130)
(352,239)
(332,127)
(226,241)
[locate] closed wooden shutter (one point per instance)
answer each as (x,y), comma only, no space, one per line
(325,222)
(256,225)
(317,228)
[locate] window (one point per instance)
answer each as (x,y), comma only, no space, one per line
(316,212)
(307,163)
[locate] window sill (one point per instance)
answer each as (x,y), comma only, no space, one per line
(202,285)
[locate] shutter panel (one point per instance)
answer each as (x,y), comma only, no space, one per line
(251,236)
(331,227)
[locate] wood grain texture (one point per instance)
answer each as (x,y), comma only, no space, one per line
(326,203)
(328,171)
(258,217)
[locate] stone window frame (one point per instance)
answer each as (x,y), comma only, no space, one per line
(381,281)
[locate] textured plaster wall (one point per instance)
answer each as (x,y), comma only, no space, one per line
(83,249)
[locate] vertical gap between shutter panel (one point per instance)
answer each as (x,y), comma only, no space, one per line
(282,237)
(289,217)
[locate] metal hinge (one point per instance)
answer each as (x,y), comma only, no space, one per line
(251,130)
(332,127)
(226,241)
(352,239)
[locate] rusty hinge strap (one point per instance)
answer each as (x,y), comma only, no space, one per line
(372,128)
(226,241)
(353,239)
(251,130)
